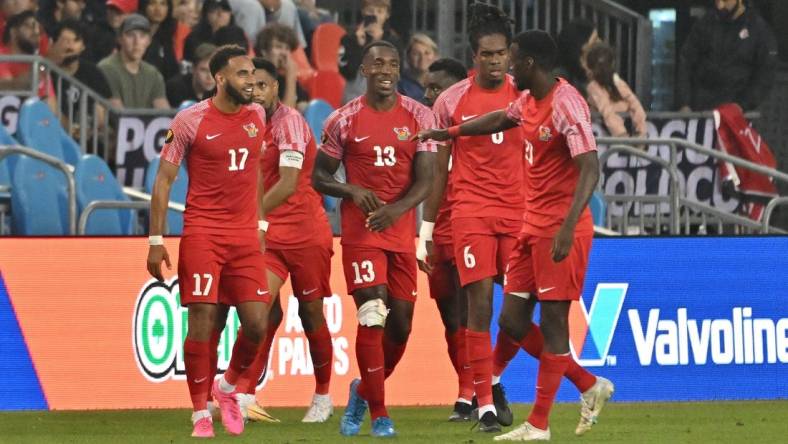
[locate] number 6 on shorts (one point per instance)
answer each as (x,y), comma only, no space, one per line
(470,259)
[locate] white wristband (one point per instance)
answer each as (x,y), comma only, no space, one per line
(155,240)
(262,225)
(425,232)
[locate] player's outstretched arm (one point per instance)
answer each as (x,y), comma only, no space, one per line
(489,123)
(160,199)
(431,206)
(588,164)
(323,181)
(423,166)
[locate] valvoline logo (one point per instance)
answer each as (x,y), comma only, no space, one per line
(591,330)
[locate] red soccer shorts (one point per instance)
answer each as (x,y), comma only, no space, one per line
(531,269)
(309,269)
(369,266)
(225,269)
(441,280)
(482,246)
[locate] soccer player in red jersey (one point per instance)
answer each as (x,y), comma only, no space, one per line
(486,194)
(220,260)
(388,174)
(298,239)
(552,252)
(435,251)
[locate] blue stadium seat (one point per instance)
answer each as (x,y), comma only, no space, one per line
(598,206)
(95,181)
(177,193)
(316,114)
(39,202)
(8,163)
(185,104)
(38,128)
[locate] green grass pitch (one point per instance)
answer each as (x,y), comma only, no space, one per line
(706,422)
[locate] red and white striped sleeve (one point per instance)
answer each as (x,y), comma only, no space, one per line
(291,132)
(182,132)
(572,118)
(514,111)
(337,128)
(446,104)
(425,119)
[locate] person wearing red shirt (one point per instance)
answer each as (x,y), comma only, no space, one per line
(551,257)
(299,241)
(221,261)
(388,174)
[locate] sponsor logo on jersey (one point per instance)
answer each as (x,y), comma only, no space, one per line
(251,129)
(402,133)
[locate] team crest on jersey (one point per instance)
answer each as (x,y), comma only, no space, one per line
(545,134)
(251,129)
(402,133)
(170,135)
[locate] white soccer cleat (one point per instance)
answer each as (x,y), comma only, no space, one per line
(592,402)
(320,410)
(526,432)
(252,411)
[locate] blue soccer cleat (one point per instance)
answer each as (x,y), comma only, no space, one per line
(350,424)
(383,427)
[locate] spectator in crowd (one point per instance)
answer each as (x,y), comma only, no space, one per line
(117,10)
(134,83)
(102,37)
(276,43)
(573,42)
(285,13)
(51,13)
(730,56)
(68,45)
(104,30)
(162,52)
(610,95)
(196,85)
(249,15)
(216,14)
(186,12)
(421,52)
(231,35)
(21,36)
(9,8)
(372,27)
(311,17)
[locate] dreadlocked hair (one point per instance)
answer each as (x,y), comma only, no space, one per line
(486,20)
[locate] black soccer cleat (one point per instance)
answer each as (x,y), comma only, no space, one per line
(488,423)
(461,413)
(505,416)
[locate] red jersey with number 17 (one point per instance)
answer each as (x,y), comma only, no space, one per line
(557,128)
(222,153)
(487,171)
(378,155)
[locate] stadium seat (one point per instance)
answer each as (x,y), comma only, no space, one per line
(8,163)
(185,104)
(325,46)
(316,114)
(305,70)
(177,194)
(39,201)
(329,86)
(38,128)
(598,206)
(95,181)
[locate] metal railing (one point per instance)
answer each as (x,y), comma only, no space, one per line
(68,170)
(143,203)
(683,213)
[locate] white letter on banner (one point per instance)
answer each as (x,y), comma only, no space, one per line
(131,133)
(9,112)
(644,340)
(153,145)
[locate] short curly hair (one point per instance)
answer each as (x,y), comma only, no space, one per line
(275,31)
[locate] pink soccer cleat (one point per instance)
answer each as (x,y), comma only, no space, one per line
(232,420)
(203,428)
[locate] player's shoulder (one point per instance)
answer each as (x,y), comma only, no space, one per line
(455,92)
(414,107)
(286,114)
(566,92)
(197,110)
(256,109)
(345,112)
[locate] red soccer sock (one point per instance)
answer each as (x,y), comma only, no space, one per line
(551,370)
(506,349)
(533,342)
(480,358)
(244,353)
(196,357)
(392,354)
(580,377)
(369,354)
(452,347)
(247,383)
(465,372)
(322,351)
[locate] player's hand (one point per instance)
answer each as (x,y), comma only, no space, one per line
(366,200)
(425,255)
(438,134)
(156,254)
(562,242)
(383,218)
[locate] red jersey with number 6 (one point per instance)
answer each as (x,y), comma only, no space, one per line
(378,155)
(222,153)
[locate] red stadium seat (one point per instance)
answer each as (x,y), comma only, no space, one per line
(325,46)
(329,86)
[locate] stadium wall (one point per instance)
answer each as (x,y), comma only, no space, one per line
(670,319)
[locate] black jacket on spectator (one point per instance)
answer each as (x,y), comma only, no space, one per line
(89,74)
(725,62)
(350,62)
(161,54)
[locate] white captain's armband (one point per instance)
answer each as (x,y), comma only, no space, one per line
(292,159)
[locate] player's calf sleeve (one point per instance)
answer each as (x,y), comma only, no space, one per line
(465,372)
(214,352)
(322,352)
(580,377)
(506,349)
(392,354)
(452,344)
(369,354)
(551,370)
(480,358)
(244,354)
(533,342)
(196,357)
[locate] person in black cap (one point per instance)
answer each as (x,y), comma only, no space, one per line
(216,14)
(134,83)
